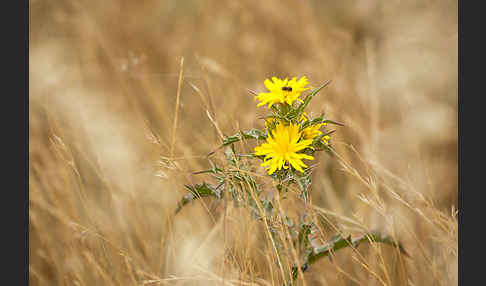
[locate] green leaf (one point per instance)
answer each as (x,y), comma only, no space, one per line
(333,122)
(243,135)
(267,206)
(198,191)
(303,181)
(303,239)
(312,122)
(209,171)
(308,98)
(315,91)
(339,242)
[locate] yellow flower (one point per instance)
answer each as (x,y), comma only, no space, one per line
(312,131)
(282,91)
(281,149)
(325,139)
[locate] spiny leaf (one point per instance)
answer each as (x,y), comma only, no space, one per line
(303,181)
(312,122)
(303,239)
(315,91)
(339,242)
(333,122)
(308,98)
(211,171)
(198,191)
(243,135)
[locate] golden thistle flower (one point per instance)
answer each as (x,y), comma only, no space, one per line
(312,131)
(282,91)
(281,149)
(325,139)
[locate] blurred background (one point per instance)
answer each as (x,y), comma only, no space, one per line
(103,178)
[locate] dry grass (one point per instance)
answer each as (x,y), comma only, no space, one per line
(115,134)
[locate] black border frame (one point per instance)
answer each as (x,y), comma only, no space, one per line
(19,160)
(460,114)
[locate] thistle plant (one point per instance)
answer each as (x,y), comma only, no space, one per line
(290,139)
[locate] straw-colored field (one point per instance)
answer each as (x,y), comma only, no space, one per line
(107,167)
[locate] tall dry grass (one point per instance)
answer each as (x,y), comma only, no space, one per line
(103,93)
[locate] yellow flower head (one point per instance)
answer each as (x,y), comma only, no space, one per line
(281,149)
(312,131)
(282,91)
(325,139)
